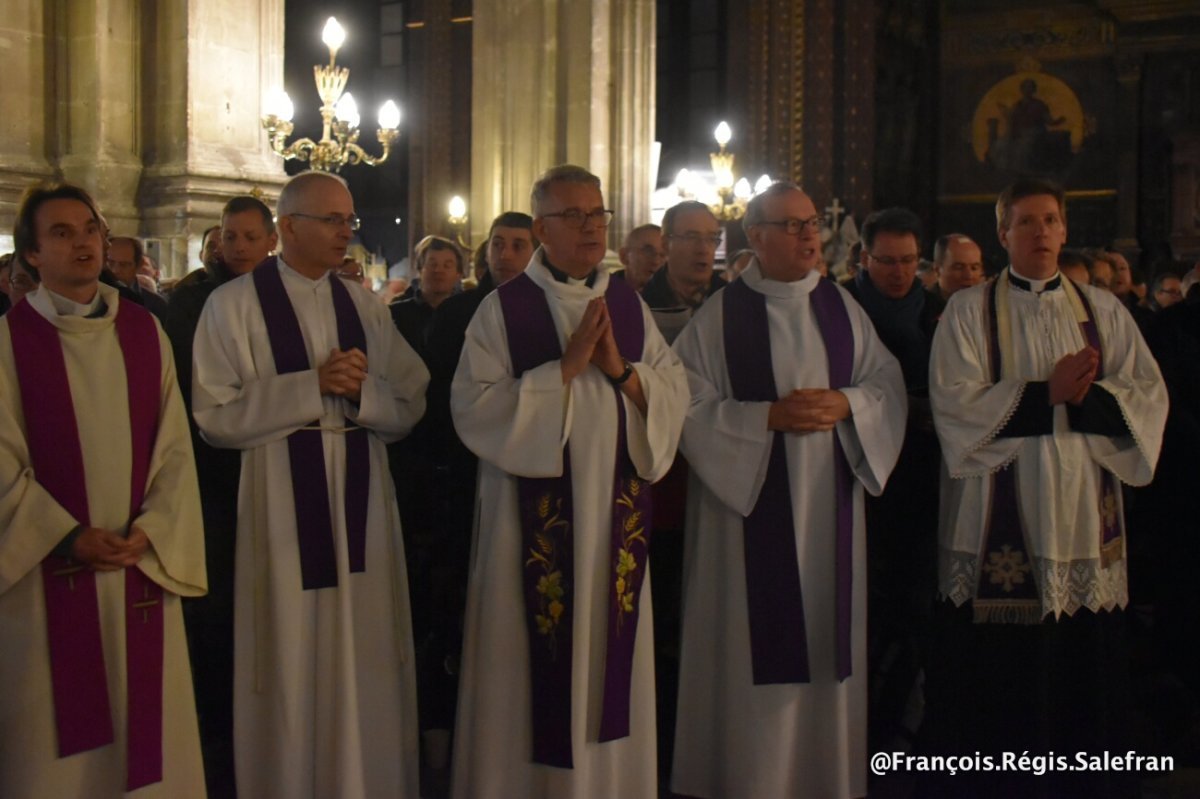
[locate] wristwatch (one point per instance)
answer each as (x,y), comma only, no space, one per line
(625,375)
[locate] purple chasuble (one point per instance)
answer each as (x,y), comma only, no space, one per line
(546,514)
(306,451)
(83,717)
(778,641)
(1017,600)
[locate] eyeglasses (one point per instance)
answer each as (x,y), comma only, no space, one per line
(887,260)
(794,227)
(1171,292)
(694,238)
(21,282)
(574,217)
(334,220)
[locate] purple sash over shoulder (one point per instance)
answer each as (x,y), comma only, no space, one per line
(778,640)
(83,717)
(306,450)
(547,523)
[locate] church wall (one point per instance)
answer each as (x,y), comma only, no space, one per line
(1067,93)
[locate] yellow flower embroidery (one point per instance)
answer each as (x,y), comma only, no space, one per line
(551,586)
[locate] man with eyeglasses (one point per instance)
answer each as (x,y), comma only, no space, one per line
(642,256)
(797,407)
(692,235)
(573,402)
(306,374)
(902,522)
(1046,399)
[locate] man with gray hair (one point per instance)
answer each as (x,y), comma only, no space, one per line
(642,255)
(307,375)
(797,407)
(573,402)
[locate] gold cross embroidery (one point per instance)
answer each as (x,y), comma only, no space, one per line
(145,604)
(68,572)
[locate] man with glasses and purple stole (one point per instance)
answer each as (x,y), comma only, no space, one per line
(1045,399)
(100,529)
(574,403)
(307,375)
(797,407)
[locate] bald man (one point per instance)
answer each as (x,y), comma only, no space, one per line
(307,375)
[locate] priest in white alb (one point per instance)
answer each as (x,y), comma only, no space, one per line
(307,375)
(1045,399)
(573,402)
(100,530)
(797,407)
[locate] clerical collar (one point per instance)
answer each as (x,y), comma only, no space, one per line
(1034,286)
(67,307)
(563,277)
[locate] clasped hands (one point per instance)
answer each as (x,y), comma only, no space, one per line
(108,550)
(1073,376)
(343,374)
(592,342)
(808,410)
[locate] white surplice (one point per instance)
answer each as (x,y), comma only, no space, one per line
(1058,482)
(324,681)
(734,738)
(32,523)
(518,427)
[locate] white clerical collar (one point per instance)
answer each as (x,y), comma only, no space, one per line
(67,307)
(287,269)
(1036,286)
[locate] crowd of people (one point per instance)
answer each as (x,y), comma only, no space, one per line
(556,529)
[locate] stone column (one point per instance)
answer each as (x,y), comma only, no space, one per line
(562,83)
(23,96)
(208,66)
(97,104)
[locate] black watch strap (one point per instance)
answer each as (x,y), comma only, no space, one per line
(625,375)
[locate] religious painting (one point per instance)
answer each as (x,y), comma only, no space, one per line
(1000,123)
(1030,123)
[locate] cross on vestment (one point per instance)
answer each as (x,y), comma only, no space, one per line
(146,603)
(69,572)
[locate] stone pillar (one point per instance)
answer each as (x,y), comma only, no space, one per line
(206,78)
(562,83)
(97,104)
(23,98)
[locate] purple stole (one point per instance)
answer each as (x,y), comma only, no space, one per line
(306,451)
(778,642)
(547,524)
(82,715)
(1006,588)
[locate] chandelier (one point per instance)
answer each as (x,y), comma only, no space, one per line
(724,193)
(339,139)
